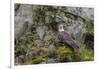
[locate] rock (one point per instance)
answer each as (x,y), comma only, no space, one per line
(76,30)
(41,31)
(48,19)
(51,60)
(43,62)
(86,13)
(31,55)
(20,60)
(47,39)
(39,43)
(23,21)
(34,54)
(52,51)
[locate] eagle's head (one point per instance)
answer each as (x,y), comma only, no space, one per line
(60,27)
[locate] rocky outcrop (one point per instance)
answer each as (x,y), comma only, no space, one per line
(23,20)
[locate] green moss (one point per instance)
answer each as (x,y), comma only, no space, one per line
(45,49)
(37,60)
(86,54)
(34,48)
(64,54)
(44,52)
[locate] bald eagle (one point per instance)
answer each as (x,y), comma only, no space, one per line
(66,38)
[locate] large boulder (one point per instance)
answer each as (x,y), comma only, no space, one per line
(23,20)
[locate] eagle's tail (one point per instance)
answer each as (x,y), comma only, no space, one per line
(73,45)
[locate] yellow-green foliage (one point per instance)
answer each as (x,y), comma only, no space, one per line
(64,54)
(86,54)
(44,53)
(33,48)
(37,60)
(45,49)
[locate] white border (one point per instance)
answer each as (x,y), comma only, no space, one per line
(12,35)
(45,66)
(73,3)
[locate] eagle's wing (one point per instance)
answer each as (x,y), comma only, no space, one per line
(66,37)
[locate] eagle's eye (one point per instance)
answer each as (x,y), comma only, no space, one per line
(60,27)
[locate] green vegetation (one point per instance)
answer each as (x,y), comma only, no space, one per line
(64,54)
(37,60)
(86,54)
